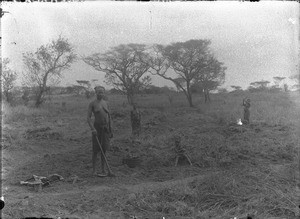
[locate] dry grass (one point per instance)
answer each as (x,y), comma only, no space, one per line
(258,164)
(235,193)
(20,113)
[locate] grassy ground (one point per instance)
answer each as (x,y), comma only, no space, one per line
(237,170)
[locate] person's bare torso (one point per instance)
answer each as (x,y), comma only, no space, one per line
(100,111)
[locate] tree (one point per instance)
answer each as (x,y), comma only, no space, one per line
(222,91)
(87,86)
(274,89)
(93,82)
(296,87)
(191,61)
(197,88)
(125,67)
(25,95)
(259,85)
(277,81)
(46,65)
(296,77)
(211,76)
(236,88)
(115,91)
(179,82)
(77,89)
(8,78)
(286,87)
(207,87)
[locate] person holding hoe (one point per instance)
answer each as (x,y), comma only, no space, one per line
(246,105)
(101,130)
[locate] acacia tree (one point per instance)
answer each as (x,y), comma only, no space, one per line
(8,78)
(222,91)
(46,64)
(124,66)
(296,77)
(211,76)
(259,85)
(236,88)
(87,86)
(179,82)
(191,61)
(277,81)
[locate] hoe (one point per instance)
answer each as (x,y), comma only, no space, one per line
(110,174)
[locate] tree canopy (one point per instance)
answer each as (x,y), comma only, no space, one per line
(46,65)
(236,87)
(192,62)
(124,66)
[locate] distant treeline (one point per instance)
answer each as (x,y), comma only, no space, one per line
(152,89)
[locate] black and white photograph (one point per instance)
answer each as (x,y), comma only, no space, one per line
(150,110)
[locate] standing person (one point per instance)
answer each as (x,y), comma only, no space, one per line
(246,104)
(101,127)
(135,120)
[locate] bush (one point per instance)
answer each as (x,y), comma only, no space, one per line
(21,112)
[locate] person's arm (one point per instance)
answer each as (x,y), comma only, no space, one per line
(107,110)
(110,125)
(89,118)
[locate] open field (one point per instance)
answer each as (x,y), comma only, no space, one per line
(237,170)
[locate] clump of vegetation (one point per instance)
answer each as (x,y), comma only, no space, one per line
(8,79)
(261,192)
(21,113)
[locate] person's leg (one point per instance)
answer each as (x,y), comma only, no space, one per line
(94,155)
(105,141)
(102,164)
(247,116)
(101,137)
(94,161)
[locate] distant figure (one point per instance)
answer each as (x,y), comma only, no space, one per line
(246,105)
(101,127)
(135,120)
(180,151)
(25,97)
(206,96)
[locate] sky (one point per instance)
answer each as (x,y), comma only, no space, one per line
(255,41)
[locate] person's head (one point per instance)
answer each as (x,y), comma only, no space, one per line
(134,105)
(177,140)
(100,92)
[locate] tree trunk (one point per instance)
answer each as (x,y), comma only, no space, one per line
(189,94)
(206,96)
(135,116)
(42,89)
(190,99)
(38,100)
(7,96)
(130,98)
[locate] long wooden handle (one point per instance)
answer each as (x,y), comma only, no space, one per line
(102,152)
